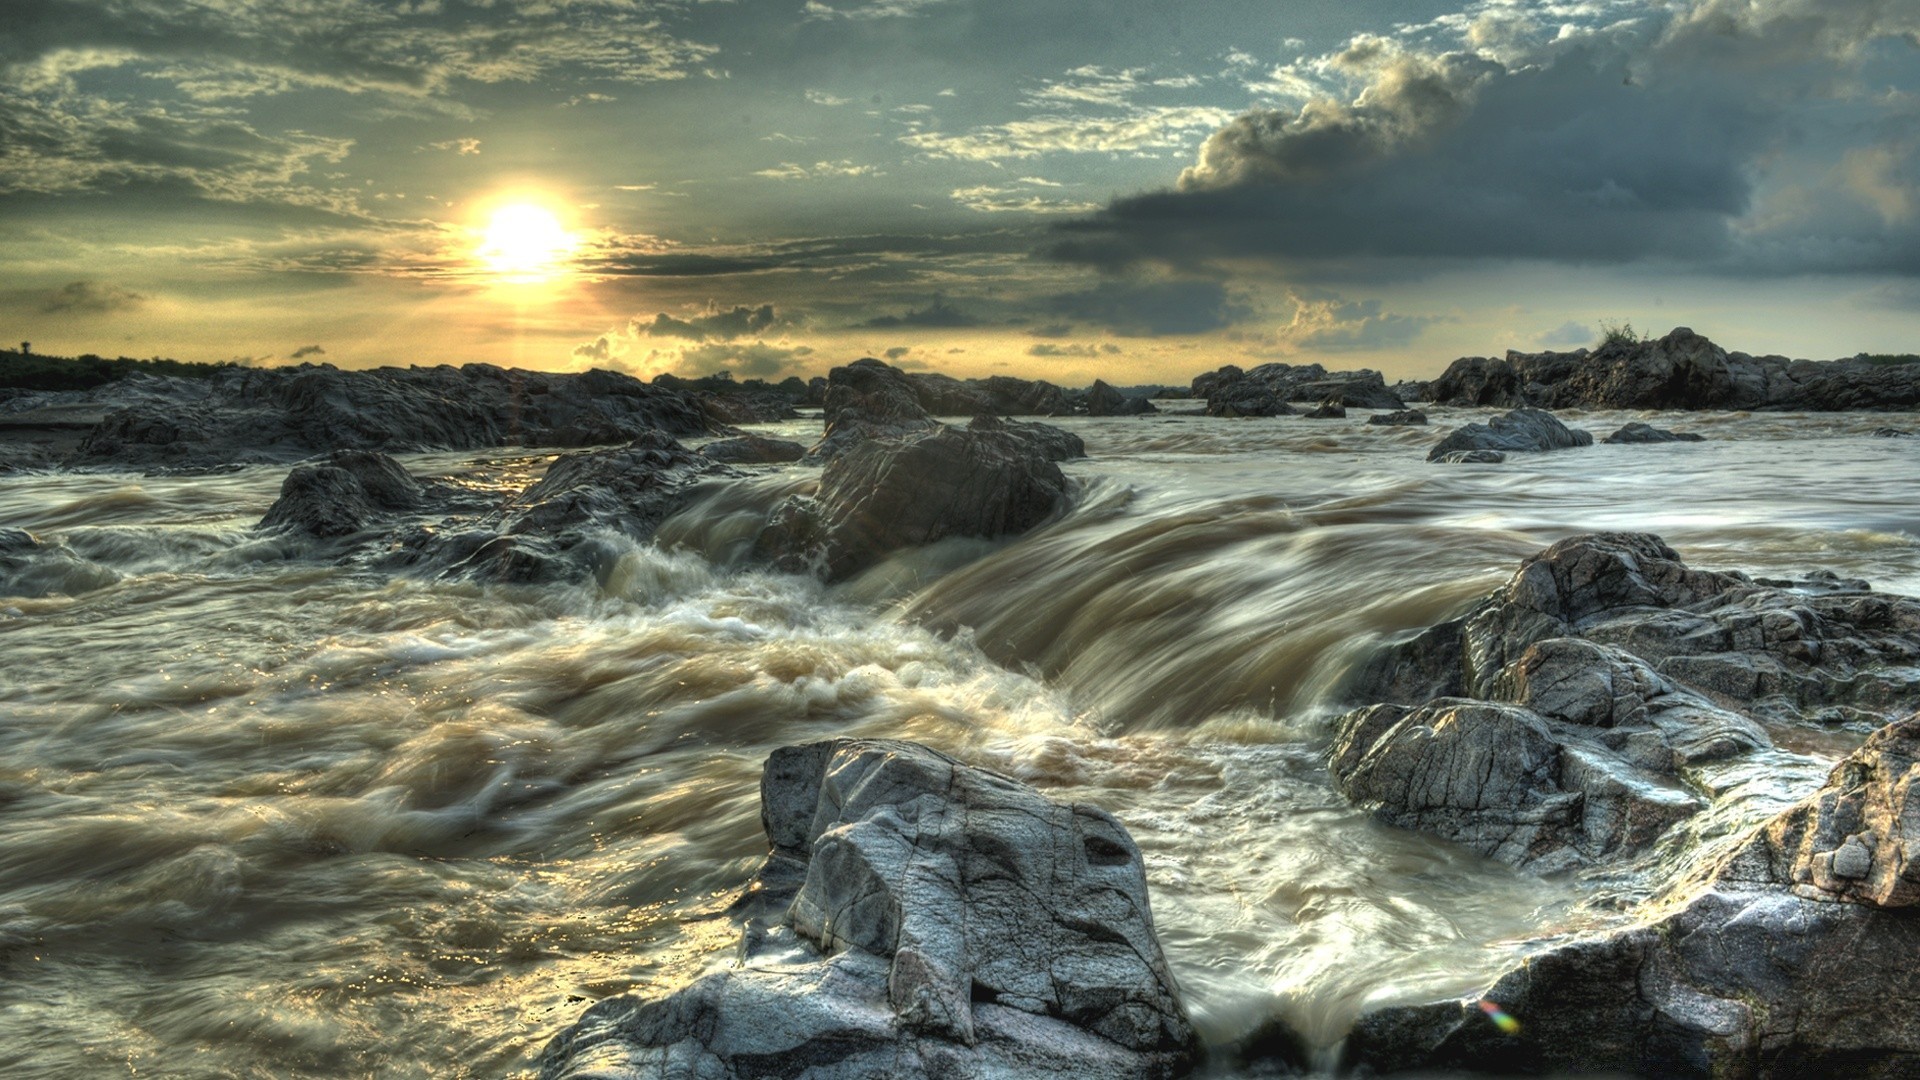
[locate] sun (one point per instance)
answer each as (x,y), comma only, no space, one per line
(524,241)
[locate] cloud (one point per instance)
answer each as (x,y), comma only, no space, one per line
(1136,131)
(750,360)
(1569,334)
(820,170)
(863,10)
(305,351)
(1152,308)
(1086,351)
(89,298)
(898,351)
(459,146)
(735,322)
(1645,140)
(1020,197)
(1326,323)
(936,314)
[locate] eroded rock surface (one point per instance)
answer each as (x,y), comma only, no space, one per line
(1518,431)
(754,450)
(1638,432)
(1608,691)
(342,494)
(1266,390)
(915,918)
(1399,418)
(1104,400)
(1794,957)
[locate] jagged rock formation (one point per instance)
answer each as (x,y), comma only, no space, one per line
(1518,431)
(1266,390)
(347,492)
(1637,432)
(868,400)
(1679,371)
(1330,409)
(1607,691)
(1056,444)
(1794,957)
(889,492)
(1104,400)
(915,918)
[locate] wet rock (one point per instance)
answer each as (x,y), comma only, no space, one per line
(1056,443)
(17,542)
(1890,433)
(1760,969)
(1104,400)
(889,493)
(754,450)
(629,489)
(944,395)
(1399,418)
(1266,390)
(868,400)
(1330,409)
(1519,430)
(1608,690)
(1413,390)
(1010,396)
(1471,457)
(916,918)
(347,492)
(1637,432)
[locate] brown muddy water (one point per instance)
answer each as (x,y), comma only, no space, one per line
(261,817)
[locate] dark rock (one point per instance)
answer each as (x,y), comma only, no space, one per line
(1637,432)
(628,489)
(1056,443)
(1266,390)
(745,408)
(868,400)
(1400,418)
(346,493)
(1330,409)
(754,450)
(1790,959)
(1104,400)
(1890,433)
(1679,371)
(1519,430)
(944,395)
(1471,457)
(900,491)
(1009,396)
(916,918)
(1413,390)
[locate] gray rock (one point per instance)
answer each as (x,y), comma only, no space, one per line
(868,400)
(1637,432)
(1330,409)
(1780,963)
(754,450)
(345,493)
(1055,443)
(1399,418)
(1104,400)
(1266,390)
(1890,433)
(1519,430)
(916,918)
(889,493)
(1471,457)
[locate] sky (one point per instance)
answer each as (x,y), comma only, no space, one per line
(1135,190)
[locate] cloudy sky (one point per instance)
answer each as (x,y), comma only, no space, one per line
(1134,189)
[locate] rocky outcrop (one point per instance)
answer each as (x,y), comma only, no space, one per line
(897,491)
(347,492)
(1637,432)
(1104,400)
(868,400)
(1330,409)
(754,450)
(1792,958)
(1682,370)
(1266,390)
(1607,691)
(1054,443)
(1518,431)
(1010,396)
(282,414)
(1399,418)
(915,918)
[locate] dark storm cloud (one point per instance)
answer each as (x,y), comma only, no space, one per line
(90,298)
(735,322)
(936,314)
(1604,148)
(1152,308)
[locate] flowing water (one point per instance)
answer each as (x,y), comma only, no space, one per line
(267,817)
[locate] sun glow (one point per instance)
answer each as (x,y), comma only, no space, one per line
(524,241)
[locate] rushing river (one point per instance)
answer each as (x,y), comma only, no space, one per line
(266,817)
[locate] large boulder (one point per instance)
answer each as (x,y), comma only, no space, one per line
(1519,430)
(1056,443)
(900,491)
(1104,400)
(916,918)
(1399,418)
(1267,389)
(868,400)
(754,450)
(1638,432)
(343,494)
(1793,956)
(944,395)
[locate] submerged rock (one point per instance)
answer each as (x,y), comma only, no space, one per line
(1792,958)
(915,918)
(1637,432)
(1330,409)
(1399,418)
(889,493)
(1471,457)
(1607,691)
(1519,430)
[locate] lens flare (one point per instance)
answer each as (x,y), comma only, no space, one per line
(1507,1024)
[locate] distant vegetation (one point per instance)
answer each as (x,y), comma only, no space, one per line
(1619,334)
(31,371)
(1889,359)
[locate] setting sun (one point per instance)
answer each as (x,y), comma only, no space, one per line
(524,241)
